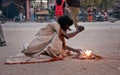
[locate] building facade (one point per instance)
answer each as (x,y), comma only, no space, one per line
(9,5)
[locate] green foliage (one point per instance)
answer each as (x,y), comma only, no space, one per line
(105,4)
(90,2)
(102,4)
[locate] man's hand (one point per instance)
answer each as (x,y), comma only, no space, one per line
(78,51)
(80,28)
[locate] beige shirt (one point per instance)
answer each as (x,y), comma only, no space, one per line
(46,40)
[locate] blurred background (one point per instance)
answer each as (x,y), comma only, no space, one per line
(91,10)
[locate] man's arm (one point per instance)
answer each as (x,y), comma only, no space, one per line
(78,51)
(70,35)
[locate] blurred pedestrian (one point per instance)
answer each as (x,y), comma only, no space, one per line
(32,14)
(90,17)
(59,8)
(67,11)
(90,10)
(105,15)
(21,13)
(74,6)
(2,39)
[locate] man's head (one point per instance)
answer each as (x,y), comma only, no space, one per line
(65,22)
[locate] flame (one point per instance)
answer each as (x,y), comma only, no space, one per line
(88,53)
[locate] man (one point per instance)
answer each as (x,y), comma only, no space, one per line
(50,40)
(74,6)
(49,44)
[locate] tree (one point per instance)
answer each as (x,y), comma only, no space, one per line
(97,2)
(105,4)
(90,2)
(101,4)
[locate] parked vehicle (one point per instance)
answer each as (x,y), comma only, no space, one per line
(99,17)
(82,17)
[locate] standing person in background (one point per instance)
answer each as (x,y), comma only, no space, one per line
(32,12)
(90,13)
(21,13)
(105,15)
(89,10)
(74,6)
(59,8)
(2,39)
(90,17)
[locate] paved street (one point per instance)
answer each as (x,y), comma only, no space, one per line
(103,38)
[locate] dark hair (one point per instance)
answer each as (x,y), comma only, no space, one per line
(64,21)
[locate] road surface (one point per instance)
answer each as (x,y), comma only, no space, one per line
(103,38)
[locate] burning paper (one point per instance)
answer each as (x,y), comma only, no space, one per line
(88,54)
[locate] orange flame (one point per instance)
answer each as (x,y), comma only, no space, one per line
(88,53)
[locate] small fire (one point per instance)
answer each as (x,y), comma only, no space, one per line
(88,53)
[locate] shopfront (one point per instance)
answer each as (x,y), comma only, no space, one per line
(10,8)
(40,7)
(40,4)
